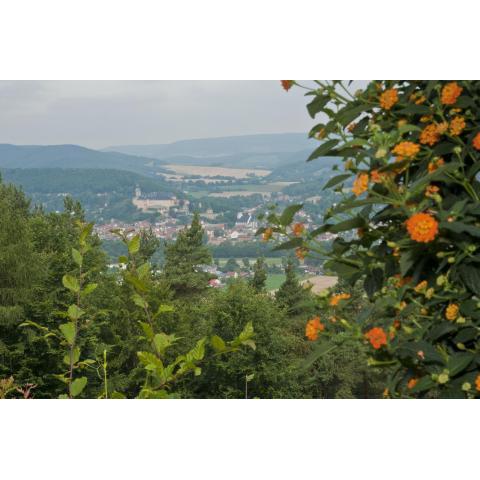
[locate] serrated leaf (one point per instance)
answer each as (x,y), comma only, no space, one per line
(74,312)
(68,331)
(77,386)
(287,215)
(134,245)
(71,283)
(217,343)
(139,301)
(323,150)
(147,330)
(77,257)
(336,180)
(459,362)
(471,277)
(89,289)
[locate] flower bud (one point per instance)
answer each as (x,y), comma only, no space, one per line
(466,387)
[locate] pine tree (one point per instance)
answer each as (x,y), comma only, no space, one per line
(291,294)
(183,258)
(259,280)
(20,271)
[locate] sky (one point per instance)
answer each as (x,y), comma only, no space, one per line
(98,114)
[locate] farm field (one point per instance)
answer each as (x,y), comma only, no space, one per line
(268,260)
(205,171)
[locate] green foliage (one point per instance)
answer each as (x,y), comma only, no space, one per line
(183,258)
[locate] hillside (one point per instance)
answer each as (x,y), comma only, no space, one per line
(69,156)
(261,151)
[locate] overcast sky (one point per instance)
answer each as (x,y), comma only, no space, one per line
(97,114)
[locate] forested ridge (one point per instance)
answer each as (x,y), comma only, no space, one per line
(71,327)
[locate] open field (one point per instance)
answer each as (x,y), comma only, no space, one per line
(216,171)
(320,282)
(274,281)
(237,193)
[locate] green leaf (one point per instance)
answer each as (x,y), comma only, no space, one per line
(423,384)
(77,386)
(89,289)
(459,227)
(74,312)
(134,245)
(217,343)
(165,309)
(162,341)
(323,150)
(249,378)
(346,225)
(471,277)
(117,396)
(321,349)
(147,330)
(287,216)
(86,231)
(407,261)
(336,180)
(71,283)
(317,104)
(123,259)
(75,359)
(77,257)
(139,301)
(68,331)
(459,362)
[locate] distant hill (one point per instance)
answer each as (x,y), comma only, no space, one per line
(69,156)
(78,181)
(261,151)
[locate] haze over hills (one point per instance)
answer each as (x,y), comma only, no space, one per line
(250,151)
(69,156)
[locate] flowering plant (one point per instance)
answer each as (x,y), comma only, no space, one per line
(412,150)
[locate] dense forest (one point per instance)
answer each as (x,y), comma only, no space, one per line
(70,327)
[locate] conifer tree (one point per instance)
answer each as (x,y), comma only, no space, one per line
(259,279)
(183,258)
(291,294)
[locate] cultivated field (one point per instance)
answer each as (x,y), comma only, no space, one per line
(216,171)
(320,282)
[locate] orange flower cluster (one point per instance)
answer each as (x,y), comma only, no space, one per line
(431,190)
(411,383)
(434,164)
(406,150)
(360,184)
(380,177)
(422,227)
(335,300)
(298,229)
(377,337)
(401,281)
(301,252)
(476,141)
(267,234)
(450,92)
(451,313)
(421,286)
(457,125)
(388,98)
(313,327)
(286,84)
(477,383)
(430,135)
